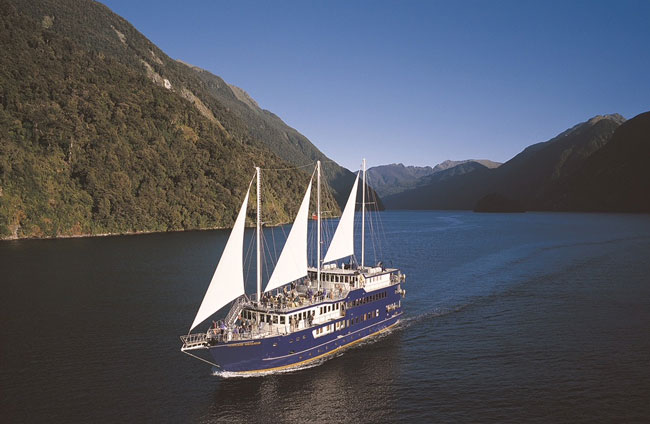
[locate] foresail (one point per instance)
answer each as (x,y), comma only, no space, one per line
(342,244)
(228,279)
(292,263)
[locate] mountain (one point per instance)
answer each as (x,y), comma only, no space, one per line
(524,178)
(395,178)
(454,163)
(616,178)
(281,139)
(102,132)
(495,202)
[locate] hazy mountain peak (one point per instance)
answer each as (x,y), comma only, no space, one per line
(619,119)
(452,163)
(614,117)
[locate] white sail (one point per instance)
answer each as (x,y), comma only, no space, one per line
(292,263)
(342,244)
(228,279)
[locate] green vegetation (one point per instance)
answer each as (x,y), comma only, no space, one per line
(91,143)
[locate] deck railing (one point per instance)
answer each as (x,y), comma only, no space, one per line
(230,332)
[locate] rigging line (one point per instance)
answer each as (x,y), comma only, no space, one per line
(248,255)
(382,240)
(248,258)
(373,230)
(289,169)
(200,359)
(275,250)
(309,240)
(266,186)
(382,229)
(274,263)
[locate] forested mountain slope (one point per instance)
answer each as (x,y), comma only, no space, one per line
(525,178)
(101,132)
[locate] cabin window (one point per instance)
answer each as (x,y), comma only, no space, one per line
(275,319)
(282,320)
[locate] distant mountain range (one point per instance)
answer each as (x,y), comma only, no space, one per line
(597,165)
(395,178)
(102,132)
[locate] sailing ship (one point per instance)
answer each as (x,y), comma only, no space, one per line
(305,313)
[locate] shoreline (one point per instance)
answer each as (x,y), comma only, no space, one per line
(132,233)
(137,233)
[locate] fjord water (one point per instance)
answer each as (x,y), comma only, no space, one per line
(534,317)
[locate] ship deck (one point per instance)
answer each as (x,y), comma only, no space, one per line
(302,300)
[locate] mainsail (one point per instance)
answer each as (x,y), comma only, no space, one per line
(228,279)
(342,244)
(292,263)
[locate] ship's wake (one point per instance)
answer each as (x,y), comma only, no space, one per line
(248,374)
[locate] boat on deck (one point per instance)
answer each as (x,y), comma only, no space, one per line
(304,313)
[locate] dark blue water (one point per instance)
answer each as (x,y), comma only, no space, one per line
(510,318)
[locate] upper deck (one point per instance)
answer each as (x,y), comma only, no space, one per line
(303,305)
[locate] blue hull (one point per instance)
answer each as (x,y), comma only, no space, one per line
(301,347)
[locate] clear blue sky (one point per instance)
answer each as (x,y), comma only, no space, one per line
(416,82)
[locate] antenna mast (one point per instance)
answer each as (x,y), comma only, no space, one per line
(318,263)
(259,234)
(363,216)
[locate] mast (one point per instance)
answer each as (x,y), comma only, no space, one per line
(259,234)
(319,226)
(363,216)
